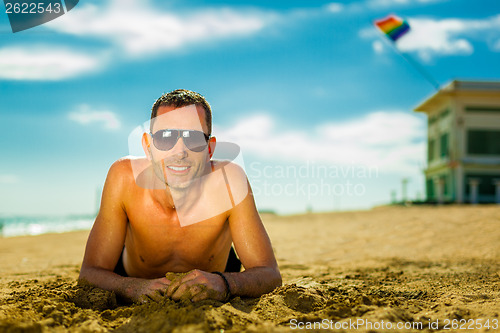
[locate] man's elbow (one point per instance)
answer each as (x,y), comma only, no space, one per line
(278,280)
(275,279)
(87,274)
(84,274)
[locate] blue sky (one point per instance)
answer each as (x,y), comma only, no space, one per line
(319,102)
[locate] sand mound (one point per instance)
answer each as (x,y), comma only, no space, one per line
(397,291)
(401,267)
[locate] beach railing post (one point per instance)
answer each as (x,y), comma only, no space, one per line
(439,186)
(496,182)
(404,185)
(474,187)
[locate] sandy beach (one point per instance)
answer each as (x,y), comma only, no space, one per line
(413,268)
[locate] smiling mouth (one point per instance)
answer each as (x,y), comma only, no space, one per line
(177,168)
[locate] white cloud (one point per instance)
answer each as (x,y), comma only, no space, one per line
(44,63)
(496,45)
(390,141)
(375,5)
(369,33)
(334,7)
(442,37)
(378,4)
(140,29)
(430,37)
(378,47)
(84,115)
(129,28)
(8,179)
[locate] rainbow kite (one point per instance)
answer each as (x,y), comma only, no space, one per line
(393,27)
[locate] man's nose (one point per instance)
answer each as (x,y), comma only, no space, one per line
(180,148)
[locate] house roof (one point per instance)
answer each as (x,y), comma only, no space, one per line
(457,87)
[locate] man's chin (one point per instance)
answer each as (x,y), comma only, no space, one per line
(180,185)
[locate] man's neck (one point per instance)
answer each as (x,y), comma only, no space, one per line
(184,198)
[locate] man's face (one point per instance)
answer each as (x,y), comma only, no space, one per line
(179,166)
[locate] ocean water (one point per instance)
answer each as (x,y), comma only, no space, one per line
(11,226)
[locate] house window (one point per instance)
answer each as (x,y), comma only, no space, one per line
(429,187)
(445,113)
(486,185)
(446,184)
(430,150)
(481,109)
(443,149)
(483,142)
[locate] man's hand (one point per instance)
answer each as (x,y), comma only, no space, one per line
(196,286)
(143,291)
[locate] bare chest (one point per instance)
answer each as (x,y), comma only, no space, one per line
(159,239)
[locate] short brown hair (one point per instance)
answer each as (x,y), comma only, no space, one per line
(179,98)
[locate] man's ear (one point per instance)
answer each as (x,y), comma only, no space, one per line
(146,145)
(211,146)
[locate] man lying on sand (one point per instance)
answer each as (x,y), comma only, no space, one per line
(178,211)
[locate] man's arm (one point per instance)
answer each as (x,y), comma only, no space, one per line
(254,249)
(106,241)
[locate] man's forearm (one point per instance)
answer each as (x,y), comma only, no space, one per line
(124,287)
(254,282)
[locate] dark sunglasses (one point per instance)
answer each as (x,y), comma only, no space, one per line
(194,140)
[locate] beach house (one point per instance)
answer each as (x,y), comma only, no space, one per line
(463,142)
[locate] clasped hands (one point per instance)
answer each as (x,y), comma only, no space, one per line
(195,286)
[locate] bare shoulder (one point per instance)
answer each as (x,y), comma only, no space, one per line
(123,166)
(231,169)
(233,179)
(121,171)
(233,173)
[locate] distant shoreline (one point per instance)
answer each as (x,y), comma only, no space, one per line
(13,226)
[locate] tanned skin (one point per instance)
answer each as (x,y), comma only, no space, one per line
(144,223)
